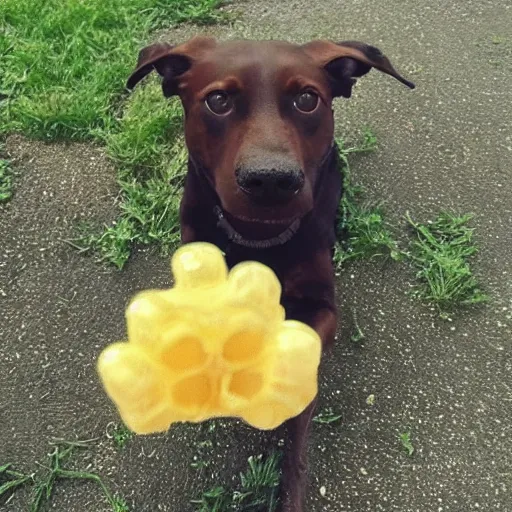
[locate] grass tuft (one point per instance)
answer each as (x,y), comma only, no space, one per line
(120,434)
(259,484)
(257,491)
(44,483)
(6,181)
(200,461)
(405,441)
(441,252)
(10,480)
(370,399)
(217,499)
(149,150)
(358,336)
(360,225)
(327,417)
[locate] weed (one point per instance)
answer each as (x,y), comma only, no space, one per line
(204,444)
(259,484)
(358,335)
(496,39)
(370,400)
(120,505)
(405,440)
(440,253)
(119,433)
(257,491)
(44,487)
(199,464)
(362,224)
(203,448)
(217,499)
(45,483)
(112,245)
(327,417)
(11,479)
(6,184)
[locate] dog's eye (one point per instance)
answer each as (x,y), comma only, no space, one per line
(306,101)
(219,102)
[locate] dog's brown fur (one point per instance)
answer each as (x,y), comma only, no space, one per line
(255,134)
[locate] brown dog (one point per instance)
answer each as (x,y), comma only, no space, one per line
(263,179)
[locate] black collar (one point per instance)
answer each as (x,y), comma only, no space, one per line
(238,239)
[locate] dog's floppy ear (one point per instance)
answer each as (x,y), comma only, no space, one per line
(349,60)
(169,62)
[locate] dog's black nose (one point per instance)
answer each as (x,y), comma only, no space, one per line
(270,186)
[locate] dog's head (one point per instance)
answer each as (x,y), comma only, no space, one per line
(258,116)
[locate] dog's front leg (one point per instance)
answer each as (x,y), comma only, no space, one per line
(294,480)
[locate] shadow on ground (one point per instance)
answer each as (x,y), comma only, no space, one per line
(446,145)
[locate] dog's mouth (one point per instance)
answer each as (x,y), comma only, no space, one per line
(252,213)
(273,215)
(261,227)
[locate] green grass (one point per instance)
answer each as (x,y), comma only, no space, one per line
(11,479)
(217,499)
(327,416)
(361,226)
(405,441)
(6,181)
(54,471)
(203,451)
(120,434)
(357,337)
(441,252)
(151,158)
(257,491)
(64,63)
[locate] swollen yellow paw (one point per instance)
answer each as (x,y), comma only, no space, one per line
(216,344)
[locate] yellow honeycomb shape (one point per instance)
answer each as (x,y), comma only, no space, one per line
(217,344)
